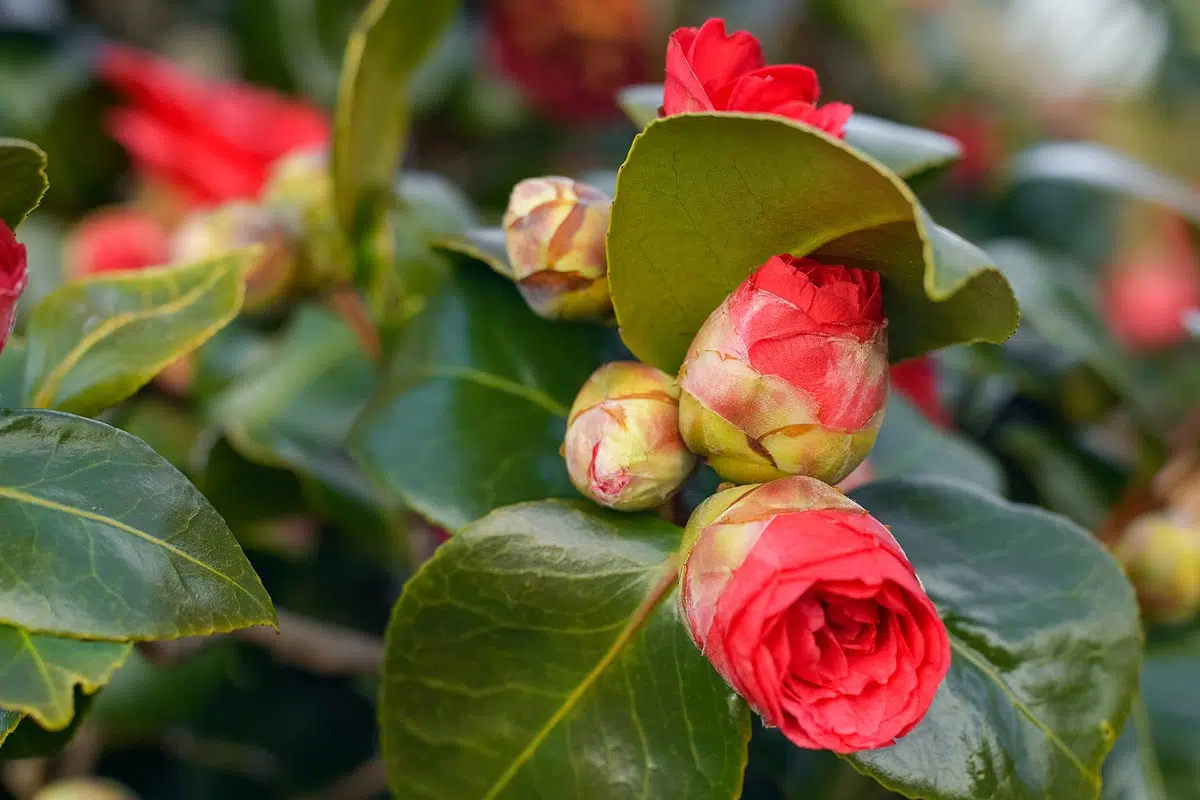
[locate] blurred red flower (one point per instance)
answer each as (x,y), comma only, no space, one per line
(917,380)
(114,240)
(212,142)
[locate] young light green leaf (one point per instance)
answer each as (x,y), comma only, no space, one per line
(22,180)
(482,244)
(39,673)
(703,199)
(94,342)
(581,680)
(110,541)
(1046,648)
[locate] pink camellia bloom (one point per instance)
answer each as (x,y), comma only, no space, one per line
(115,240)
(623,448)
(710,71)
(806,605)
(211,142)
(789,376)
(12,280)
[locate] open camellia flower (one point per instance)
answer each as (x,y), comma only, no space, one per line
(789,375)
(13,275)
(810,610)
(211,142)
(708,70)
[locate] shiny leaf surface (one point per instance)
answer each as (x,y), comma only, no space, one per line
(1046,648)
(110,541)
(582,681)
(39,673)
(23,173)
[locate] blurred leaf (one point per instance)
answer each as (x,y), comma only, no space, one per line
(1046,648)
(30,740)
(166,429)
(1131,771)
(582,680)
(40,673)
(22,180)
(233,352)
(907,151)
(911,446)
(94,342)
(112,542)
(704,199)
(474,420)
(1099,167)
(43,237)
(389,42)
(12,372)
(482,244)
(1172,696)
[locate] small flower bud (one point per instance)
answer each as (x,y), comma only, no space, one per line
(789,375)
(554,231)
(212,233)
(1161,556)
(300,188)
(807,606)
(12,280)
(84,789)
(623,448)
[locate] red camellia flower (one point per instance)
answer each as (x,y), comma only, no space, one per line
(916,379)
(115,240)
(810,610)
(212,142)
(710,71)
(12,280)
(1146,303)
(789,375)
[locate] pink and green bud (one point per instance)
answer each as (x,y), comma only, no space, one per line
(789,376)
(554,231)
(208,234)
(623,448)
(1161,556)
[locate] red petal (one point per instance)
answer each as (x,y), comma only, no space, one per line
(768,88)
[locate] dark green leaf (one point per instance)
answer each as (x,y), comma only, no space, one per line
(92,343)
(1046,648)
(9,720)
(475,422)
(911,446)
(704,199)
(12,372)
(39,673)
(389,42)
(110,541)
(1172,696)
(581,680)
(22,180)
(30,740)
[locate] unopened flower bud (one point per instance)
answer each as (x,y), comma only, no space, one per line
(623,448)
(554,231)
(300,188)
(235,225)
(12,280)
(84,789)
(789,376)
(807,606)
(1161,556)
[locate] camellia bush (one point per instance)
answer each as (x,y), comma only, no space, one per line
(676,432)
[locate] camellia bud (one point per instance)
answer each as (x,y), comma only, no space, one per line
(806,605)
(84,789)
(235,225)
(789,376)
(12,280)
(623,448)
(300,188)
(554,231)
(1161,556)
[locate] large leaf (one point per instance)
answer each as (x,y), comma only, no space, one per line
(104,539)
(1172,697)
(1046,648)
(94,342)
(474,421)
(703,199)
(909,152)
(38,674)
(390,40)
(581,680)
(22,180)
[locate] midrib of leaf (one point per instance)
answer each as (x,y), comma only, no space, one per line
(963,650)
(661,588)
(31,499)
(55,377)
(486,379)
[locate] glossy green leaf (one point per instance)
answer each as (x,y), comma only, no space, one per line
(474,420)
(907,151)
(389,42)
(94,342)
(22,180)
(911,446)
(581,681)
(704,199)
(110,541)
(1046,648)
(1098,167)
(38,674)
